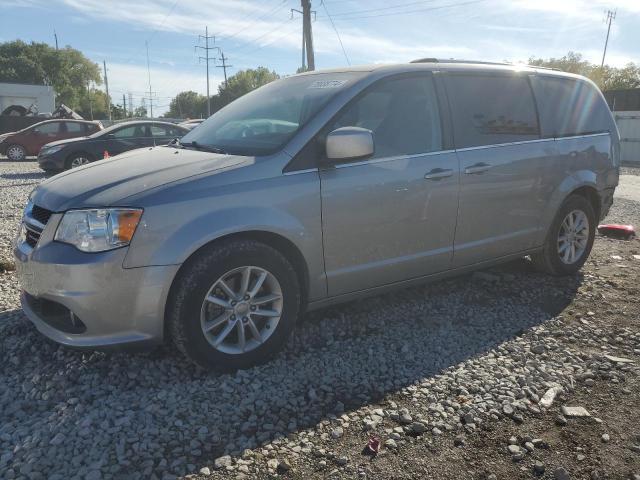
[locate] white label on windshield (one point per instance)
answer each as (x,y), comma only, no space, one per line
(327,84)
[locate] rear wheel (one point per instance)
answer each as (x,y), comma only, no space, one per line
(16,153)
(570,238)
(233,305)
(78,160)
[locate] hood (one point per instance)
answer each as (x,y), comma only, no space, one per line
(65,141)
(106,182)
(5,135)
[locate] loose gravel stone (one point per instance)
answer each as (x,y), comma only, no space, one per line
(452,356)
(575,411)
(561,474)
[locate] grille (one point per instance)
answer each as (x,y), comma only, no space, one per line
(41,214)
(32,238)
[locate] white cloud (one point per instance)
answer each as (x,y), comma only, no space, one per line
(125,78)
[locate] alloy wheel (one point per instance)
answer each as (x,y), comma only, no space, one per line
(241,310)
(79,161)
(15,153)
(573,237)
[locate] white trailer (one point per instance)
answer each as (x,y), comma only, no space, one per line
(35,99)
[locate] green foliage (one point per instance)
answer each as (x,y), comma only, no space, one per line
(190,104)
(187,104)
(67,70)
(607,78)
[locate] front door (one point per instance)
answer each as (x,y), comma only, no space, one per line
(128,138)
(501,165)
(390,217)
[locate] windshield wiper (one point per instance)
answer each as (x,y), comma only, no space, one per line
(198,146)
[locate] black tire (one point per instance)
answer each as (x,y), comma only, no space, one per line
(68,164)
(16,153)
(548,260)
(195,279)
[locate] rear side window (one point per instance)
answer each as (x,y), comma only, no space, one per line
(491,110)
(48,128)
(569,107)
(402,114)
(73,127)
(158,131)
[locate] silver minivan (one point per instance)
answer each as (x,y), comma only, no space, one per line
(316,189)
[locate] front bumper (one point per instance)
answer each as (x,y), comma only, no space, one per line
(51,162)
(88,299)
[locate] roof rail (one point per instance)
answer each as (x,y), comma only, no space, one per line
(453,60)
(478,62)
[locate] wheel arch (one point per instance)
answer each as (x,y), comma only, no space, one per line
(590,193)
(280,243)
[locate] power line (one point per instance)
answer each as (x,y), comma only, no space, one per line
(610,18)
(336,30)
(389,7)
(406,12)
(255,20)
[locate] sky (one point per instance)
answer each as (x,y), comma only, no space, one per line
(267,33)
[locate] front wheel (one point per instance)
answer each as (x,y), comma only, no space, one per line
(77,160)
(570,238)
(233,305)
(16,153)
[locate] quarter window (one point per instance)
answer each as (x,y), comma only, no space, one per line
(158,131)
(73,127)
(134,131)
(570,107)
(402,114)
(491,110)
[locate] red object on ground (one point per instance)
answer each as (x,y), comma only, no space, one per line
(625,232)
(374,445)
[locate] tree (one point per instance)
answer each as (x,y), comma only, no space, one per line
(67,70)
(243,82)
(193,105)
(607,78)
(187,104)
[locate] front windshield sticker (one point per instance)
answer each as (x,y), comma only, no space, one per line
(327,84)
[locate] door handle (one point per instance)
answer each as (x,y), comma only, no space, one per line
(477,168)
(438,174)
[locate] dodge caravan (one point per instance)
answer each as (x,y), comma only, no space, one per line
(317,189)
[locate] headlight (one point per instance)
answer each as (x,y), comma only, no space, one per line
(51,150)
(98,230)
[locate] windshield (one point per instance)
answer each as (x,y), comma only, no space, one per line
(263,121)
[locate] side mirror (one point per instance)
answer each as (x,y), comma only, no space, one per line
(349,143)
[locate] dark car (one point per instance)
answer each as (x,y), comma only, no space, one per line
(28,141)
(191,124)
(111,141)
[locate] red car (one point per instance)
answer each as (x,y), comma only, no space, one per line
(27,142)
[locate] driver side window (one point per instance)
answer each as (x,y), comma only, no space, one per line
(402,113)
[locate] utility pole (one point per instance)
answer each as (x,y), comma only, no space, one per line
(124,105)
(130,104)
(307,35)
(90,100)
(149,74)
(308,39)
(206,57)
(55,35)
(610,18)
(106,84)
(224,65)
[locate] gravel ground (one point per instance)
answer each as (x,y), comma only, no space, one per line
(454,378)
